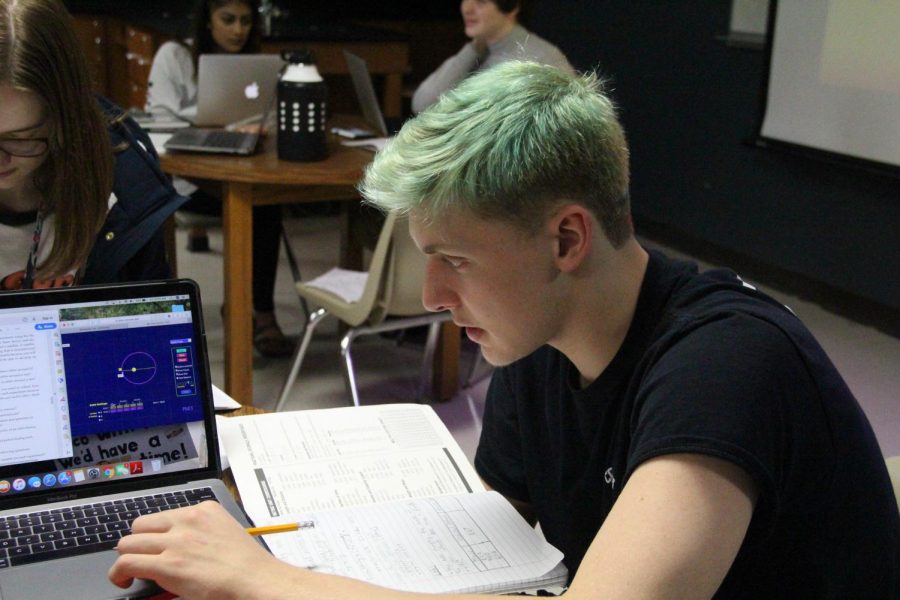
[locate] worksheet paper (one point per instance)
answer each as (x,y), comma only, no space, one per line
(463,543)
(343,283)
(301,461)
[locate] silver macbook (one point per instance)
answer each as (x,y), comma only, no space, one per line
(219,141)
(234,87)
(106,413)
(365,93)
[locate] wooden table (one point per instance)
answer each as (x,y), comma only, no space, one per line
(263,179)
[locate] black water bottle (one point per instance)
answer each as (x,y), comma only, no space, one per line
(302,107)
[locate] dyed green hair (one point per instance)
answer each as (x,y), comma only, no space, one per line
(511,144)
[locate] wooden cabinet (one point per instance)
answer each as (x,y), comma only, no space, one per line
(140,46)
(91,32)
(119,57)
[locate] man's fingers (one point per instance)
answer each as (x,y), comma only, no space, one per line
(142,543)
(151,524)
(129,567)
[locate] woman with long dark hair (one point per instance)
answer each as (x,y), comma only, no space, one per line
(230,27)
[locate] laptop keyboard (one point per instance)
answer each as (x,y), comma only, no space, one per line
(225,139)
(72,531)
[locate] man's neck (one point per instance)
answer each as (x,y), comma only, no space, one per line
(500,35)
(602,310)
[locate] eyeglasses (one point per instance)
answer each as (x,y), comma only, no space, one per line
(24,147)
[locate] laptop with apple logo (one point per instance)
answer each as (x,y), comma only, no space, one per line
(232,89)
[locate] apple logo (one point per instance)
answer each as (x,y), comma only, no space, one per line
(252,91)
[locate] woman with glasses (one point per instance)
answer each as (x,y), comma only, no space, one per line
(82,198)
(221,27)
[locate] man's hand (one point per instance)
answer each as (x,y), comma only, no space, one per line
(197,552)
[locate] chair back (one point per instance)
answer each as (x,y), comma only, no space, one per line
(403,276)
(358,312)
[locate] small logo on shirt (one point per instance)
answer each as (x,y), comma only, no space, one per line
(609,478)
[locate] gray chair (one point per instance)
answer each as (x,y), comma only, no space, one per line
(391,300)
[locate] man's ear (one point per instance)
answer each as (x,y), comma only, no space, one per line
(573,229)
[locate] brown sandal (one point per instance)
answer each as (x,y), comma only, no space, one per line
(271,342)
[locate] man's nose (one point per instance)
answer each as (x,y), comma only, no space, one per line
(437,295)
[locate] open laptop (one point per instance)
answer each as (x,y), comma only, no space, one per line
(368,103)
(232,89)
(106,414)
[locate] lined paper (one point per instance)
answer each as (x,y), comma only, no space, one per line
(463,543)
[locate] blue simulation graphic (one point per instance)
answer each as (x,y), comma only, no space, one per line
(117,382)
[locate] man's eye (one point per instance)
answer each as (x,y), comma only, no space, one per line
(454,262)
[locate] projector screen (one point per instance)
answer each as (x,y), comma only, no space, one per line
(834,78)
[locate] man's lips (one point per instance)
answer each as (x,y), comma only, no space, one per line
(474,333)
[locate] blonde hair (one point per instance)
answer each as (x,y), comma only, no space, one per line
(509,144)
(40,53)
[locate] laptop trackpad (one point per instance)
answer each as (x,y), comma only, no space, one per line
(83,577)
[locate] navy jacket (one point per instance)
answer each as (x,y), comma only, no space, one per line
(131,245)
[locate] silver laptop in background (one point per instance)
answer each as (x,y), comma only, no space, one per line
(220,141)
(234,87)
(365,93)
(107,415)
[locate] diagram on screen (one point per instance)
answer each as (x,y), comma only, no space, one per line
(138,368)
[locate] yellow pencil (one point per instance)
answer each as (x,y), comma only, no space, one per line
(281,528)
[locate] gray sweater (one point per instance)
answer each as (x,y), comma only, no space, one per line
(520,44)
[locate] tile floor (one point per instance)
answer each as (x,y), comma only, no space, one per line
(868,359)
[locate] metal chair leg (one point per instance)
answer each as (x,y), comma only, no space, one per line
(434,330)
(295,266)
(314,319)
(349,375)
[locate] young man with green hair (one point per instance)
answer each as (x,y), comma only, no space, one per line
(677,434)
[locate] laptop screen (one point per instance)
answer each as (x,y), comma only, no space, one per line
(96,391)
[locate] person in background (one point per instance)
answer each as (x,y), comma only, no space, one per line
(82,197)
(493,26)
(676,434)
(222,26)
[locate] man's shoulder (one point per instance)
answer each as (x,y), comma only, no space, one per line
(534,47)
(685,295)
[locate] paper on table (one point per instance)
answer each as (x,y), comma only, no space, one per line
(159,141)
(222,401)
(294,462)
(373,144)
(345,284)
(463,543)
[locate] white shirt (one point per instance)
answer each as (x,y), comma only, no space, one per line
(172,88)
(15,241)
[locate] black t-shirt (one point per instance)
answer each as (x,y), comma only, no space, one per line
(710,366)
